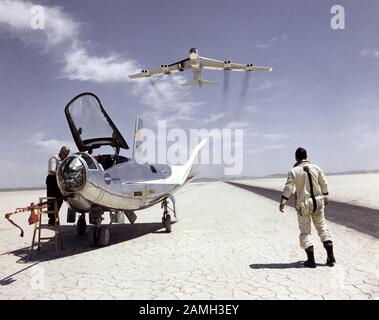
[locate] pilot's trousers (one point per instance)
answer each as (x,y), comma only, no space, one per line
(52,190)
(318,218)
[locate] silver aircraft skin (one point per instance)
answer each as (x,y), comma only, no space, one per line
(195,62)
(111,182)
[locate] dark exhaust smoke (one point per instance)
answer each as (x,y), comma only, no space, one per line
(244,89)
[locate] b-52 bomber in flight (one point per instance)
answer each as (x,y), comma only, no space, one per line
(195,62)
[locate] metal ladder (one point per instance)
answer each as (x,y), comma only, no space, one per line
(39,226)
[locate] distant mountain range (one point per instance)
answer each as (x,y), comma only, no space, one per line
(352,172)
(280,175)
(22,189)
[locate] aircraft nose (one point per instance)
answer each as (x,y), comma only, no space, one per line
(71,175)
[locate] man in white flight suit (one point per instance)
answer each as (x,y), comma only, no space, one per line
(52,189)
(311,198)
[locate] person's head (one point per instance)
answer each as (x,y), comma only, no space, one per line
(65,151)
(300,154)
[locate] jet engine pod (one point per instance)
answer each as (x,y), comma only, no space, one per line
(227,65)
(250,67)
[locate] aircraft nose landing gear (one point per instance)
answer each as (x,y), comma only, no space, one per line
(81,225)
(166,219)
(99,235)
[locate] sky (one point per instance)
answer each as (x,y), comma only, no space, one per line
(322,93)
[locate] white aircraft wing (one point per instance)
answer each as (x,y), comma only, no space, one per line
(182,65)
(165,69)
(212,64)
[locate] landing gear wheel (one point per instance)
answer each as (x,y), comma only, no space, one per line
(99,237)
(81,225)
(166,221)
(104,237)
(94,236)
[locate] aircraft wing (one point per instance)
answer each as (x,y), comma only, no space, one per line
(165,69)
(212,64)
(184,64)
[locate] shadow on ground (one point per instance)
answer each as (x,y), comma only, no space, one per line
(74,244)
(362,219)
(10,278)
(290,265)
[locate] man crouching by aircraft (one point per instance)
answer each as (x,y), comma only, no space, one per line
(311,198)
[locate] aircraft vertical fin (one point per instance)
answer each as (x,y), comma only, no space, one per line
(137,136)
(191,166)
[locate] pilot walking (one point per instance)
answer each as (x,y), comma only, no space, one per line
(52,189)
(311,198)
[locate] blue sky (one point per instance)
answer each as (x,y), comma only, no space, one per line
(322,93)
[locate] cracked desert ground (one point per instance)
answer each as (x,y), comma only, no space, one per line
(230,242)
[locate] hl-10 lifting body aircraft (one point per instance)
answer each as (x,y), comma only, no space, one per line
(195,62)
(111,182)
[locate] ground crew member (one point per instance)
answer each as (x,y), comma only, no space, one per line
(52,189)
(311,198)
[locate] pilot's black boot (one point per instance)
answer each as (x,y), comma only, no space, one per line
(330,260)
(310,263)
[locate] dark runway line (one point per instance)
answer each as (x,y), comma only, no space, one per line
(362,219)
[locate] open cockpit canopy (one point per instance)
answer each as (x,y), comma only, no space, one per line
(90,125)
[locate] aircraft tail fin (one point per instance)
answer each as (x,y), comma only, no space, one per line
(199,83)
(137,136)
(190,168)
(180,174)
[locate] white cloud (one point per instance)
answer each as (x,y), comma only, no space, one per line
(275,136)
(261,45)
(61,38)
(84,67)
(251,108)
(368,140)
(280,38)
(370,53)
(266,148)
(259,142)
(16,16)
(213,117)
(361,101)
(166,97)
(49,146)
(272,42)
(237,125)
(364,137)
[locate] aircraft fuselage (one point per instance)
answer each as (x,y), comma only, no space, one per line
(86,184)
(194,57)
